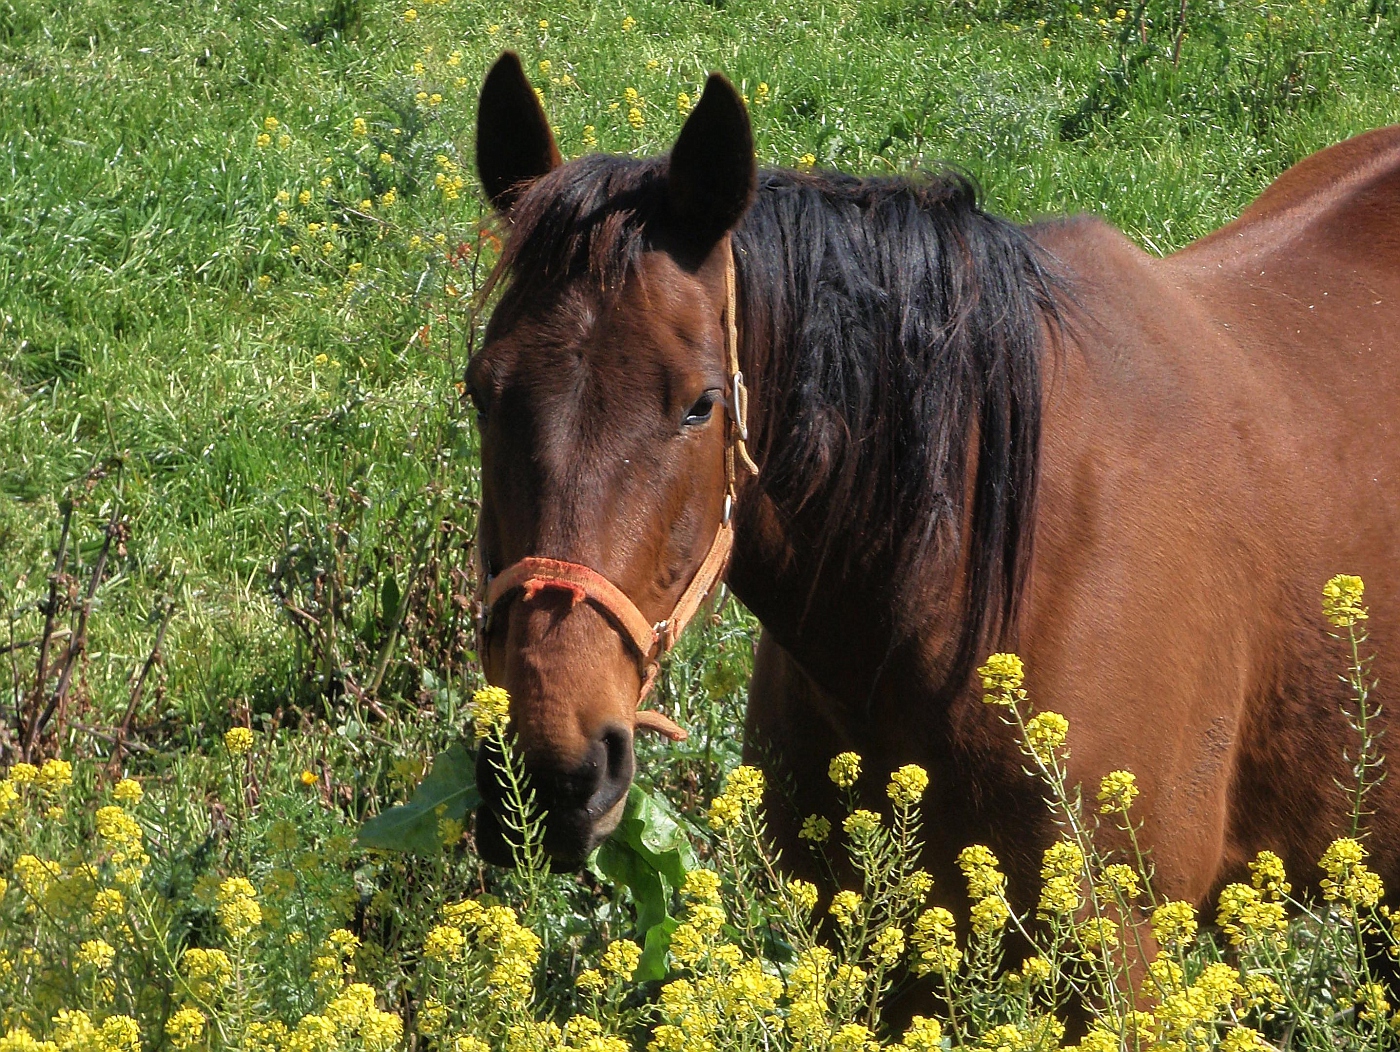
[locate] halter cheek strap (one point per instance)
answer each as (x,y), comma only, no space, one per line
(648,641)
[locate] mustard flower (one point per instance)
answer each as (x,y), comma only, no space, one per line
(760,94)
(1341,600)
(55,776)
(923,1035)
(914,887)
(1059,895)
(989,916)
(238,740)
(304,198)
(106,904)
(907,785)
(1002,673)
(628,24)
(23,773)
(543,24)
(815,828)
(807,161)
(1374,1006)
(1349,880)
(1119,880)
(128,792)
(803,895)
(96,953)
(1245,915)
(9,797)
(591,981)
(888,946)
(207,971)
(590,136)
(120,1033)
(444,943)
(359,127)
(490,711)
(861,823)
(1035,970)
(1117,791)
(263,141)
(844,907)
(844,769)
(1045,735)
(237,908)
(1244,1039)
(1062,859)
(284,217)
(1268,875)
(683,103)
(185,1027)
(1262,991)
(621,958)
(1174,924)
(307,777)
(410,15)
(701,885)
(853,1037)
(935,942)
(635,117)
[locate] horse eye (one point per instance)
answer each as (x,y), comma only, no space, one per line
(478,405)
(700,411)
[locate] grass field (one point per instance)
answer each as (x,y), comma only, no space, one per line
(239,248)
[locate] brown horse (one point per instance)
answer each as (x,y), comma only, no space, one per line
(970,436)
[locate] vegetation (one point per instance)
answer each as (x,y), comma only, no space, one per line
(240,252)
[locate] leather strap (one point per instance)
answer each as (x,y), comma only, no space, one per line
(650,642)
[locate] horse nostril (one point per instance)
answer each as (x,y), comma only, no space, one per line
(614,764)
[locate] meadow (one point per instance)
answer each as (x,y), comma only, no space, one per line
(241,246)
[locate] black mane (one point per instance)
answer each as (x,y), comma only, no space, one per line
(901,327)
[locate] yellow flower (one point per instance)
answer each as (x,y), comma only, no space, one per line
(844,907)
(888,946)
(620,959)
(803,895)
(283,217)
(434,99)
(55,776)
(591,981)
(263,141)
(283,141)
(410,15)
(760,94)
(1244,1039)
(1174,924)
(815,828)
(1062,859)
(546,66)
(1036,970)
(96,953)
(23,773)
(628,24)
(1059,895)
(1268,875)
(238,740)
(861,823)
(989,916)
(701,885)
(853,1037)
(807,161)
(359,127)
(444,943)
(185,1027)
(237,908)
(635,117)
(490,711)
(543,24)
(683,102)
(1119,881)
(935,942)
(923,1035)
(454,59)
(907,785)
(1374,1006)
(1045,735)
(1244,914)
(1348,878)
(270,123)
(1341,600)
(1002,674)
(844,769)
(1117,791)
(106,904)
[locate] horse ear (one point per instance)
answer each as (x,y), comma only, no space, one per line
(712,164)
(514,145)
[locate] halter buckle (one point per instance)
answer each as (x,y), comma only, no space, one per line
(741,406)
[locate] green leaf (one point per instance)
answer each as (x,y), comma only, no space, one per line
(449,791)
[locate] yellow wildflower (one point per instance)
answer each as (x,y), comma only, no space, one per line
(591,981)
(9,796)
(683,102)
(185,1027)
(1348,878)
(1268,875)
(1062,859)
(410,15)
(359,127)
(935,942)
(106,904)
(1119,880)
(628,24)
(815,828)
(96,953)
(490,711)
(1059,895)
(270,123)
(989,916)
(1045,735)
(844,907)
(237,908)
(1244,1039)
(923,1035)
(55,776)
(907,785)
(807,161)
(23,773)
(444,943)
(238,740)
(128,792)
(635,117)
(701,885)
(263,141)
(590,136)
(853,1037)
(803,895)
(1341,600)
(1117,791)
(861,823)
(1174,924)
(844,769)
(980,869)
(1244,914)
(620,959)
(888,946)
(1002,673)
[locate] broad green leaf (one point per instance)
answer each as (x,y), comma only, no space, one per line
(449,791)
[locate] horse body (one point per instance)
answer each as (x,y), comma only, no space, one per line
(1219,439)
(1135,472)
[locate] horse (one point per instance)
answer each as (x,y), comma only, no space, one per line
(909,433)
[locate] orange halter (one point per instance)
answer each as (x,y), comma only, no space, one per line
(534,574)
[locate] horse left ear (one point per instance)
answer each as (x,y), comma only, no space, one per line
(514,145)
(713,173)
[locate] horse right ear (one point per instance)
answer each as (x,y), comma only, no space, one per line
(514,145)
(713,173)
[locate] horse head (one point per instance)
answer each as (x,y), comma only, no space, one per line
(611,441)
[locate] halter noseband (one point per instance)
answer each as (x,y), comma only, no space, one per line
(649,642)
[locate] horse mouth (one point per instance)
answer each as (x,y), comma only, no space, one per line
(567,844)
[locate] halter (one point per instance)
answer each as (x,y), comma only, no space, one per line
(649,642)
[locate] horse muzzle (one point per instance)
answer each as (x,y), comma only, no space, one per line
(579,805)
